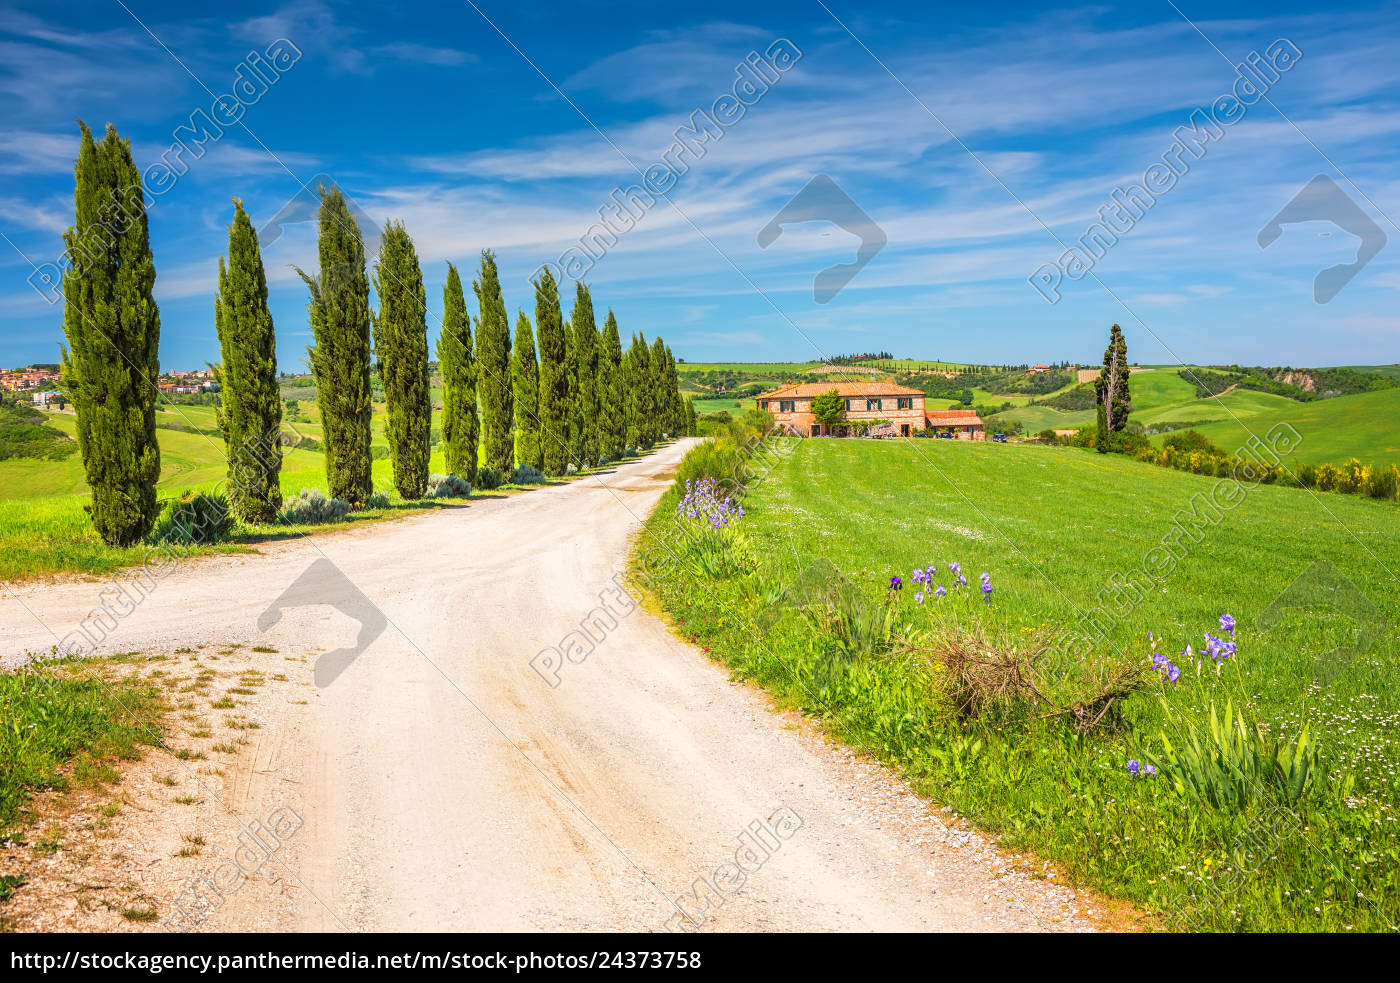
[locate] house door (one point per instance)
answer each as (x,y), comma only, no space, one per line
(904,429)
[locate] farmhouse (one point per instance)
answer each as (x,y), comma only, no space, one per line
(878,408)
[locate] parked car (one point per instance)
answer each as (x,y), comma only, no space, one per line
(999,438)
(945,435)
(923,435)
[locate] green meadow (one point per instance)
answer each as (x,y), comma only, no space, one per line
(1199,846)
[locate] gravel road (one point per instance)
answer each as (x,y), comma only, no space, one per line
(442,783)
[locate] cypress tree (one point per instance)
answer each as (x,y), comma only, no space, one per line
(675,407)
(612,416)
(573,433)
(554,379)
(401,344)
(640,393)
(661,391)
(251,410)
(692,423)
(340,358)
(583,429)
(460,428)
(525,378)
(493,390)
(110,364)
(1111,391)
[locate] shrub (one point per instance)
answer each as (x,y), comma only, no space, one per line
(448,486)
(528,474)
(311,507)
(488,478)
(196,519)
(377,500)
(1192,440)
(1383,482)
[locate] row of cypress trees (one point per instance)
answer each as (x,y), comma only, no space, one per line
(576,404)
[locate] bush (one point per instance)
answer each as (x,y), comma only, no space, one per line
(528,474)
(488,478)
(195,519)
(377,500)
(311,507)
(1186,441)
(448,486)
(1384,482)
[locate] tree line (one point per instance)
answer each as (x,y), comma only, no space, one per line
(561,397)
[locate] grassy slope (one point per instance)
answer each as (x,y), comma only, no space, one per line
(1051,525)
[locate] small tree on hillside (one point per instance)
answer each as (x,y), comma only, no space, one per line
(1111,391)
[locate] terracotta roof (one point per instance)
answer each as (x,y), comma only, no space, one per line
(953,418)
(808,389)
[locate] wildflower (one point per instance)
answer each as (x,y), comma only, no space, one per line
(1148,771)
(896,583)
(986,589)
(1173,673)
(986,576)
(1227,623)
(961,581)
(955,566)
(919,597)
(1133,767)
(941,590)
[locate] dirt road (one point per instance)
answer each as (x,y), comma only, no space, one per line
(442,783)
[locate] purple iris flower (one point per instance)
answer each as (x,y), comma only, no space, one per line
(1148,771)
(955,566)
(1133,767)
(986,576)
(961,581)
(896,583)
(986,588)
(919,597)
(1227,623)
(1173,672)
(940,591)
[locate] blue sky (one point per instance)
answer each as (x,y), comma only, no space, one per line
(980,138)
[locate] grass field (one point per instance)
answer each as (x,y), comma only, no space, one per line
(1053,526)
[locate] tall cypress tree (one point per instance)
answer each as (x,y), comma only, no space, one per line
(583,429)
(247,376)
(340,358)
(660,390)
(554,378)
(493,387)
(525,380)
(638,395)
(611,412)
(573,434)
(1111,390)
(112,326)
(675,408)
(401,344)
(460,428)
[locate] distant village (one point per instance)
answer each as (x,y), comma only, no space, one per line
(40,382)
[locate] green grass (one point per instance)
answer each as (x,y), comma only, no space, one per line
(1365,426)
(61,725)
(1052,526)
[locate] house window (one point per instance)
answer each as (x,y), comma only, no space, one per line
(873,404)
(763,404)
(906,402)
(787,405)
(848,404)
